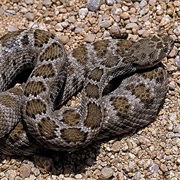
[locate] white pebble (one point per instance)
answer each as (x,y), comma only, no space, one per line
(83,12)
(110,2)
(107,172)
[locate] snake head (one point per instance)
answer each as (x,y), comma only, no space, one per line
(149,52)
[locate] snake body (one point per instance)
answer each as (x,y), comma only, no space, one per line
(29,119)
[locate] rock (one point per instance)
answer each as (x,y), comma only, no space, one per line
(29,1)
(176,3)
(120,176)
(1,11)
(78,30)
(24,10)
(65,24)
(152,2)
(133,19)
(10,174)
(32,177)
(93,5)
(143,3)
(125,8)
(110,2)
(78,176)
(132,25)
(178,161)
(125,15)
(144,11)
(169,127)
(163,168)
(165,20)
(47,2)
(173,52)
(115,30)
(107,172)
(83,12)
(137,175)
(132,166)
(25,170)
(154,168)
(90,37)
(172,116)
(105,23)
(71,19)
(116,147)
(106,34)
(177,62)
(58,27)
(64,39)
(177,31)
(9,11)
(12,28)
(35,171)
(177,129)
(29,16)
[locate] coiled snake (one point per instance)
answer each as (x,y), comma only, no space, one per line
(121,82)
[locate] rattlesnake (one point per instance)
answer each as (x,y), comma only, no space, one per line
(122,85)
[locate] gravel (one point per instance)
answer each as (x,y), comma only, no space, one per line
(151,153)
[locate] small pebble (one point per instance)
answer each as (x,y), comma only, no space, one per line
(29,16)
(154,168)
(83,12)
(29,1)
(177,62)
(152,2)
(47,2)
(132,25)
(90,38)
(107,172)
(165,20)
(25,170)
(93,5)
(110,2)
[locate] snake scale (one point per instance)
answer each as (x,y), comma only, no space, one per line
(121,82)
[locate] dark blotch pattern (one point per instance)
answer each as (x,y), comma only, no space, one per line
(96,74)
(45,70)
(17,133)
(73,135)
(71,117)
(52,52)
(156,74)
(25,40)
(34,88)
(47,128)
(8,100)
(143,93)
(121,105)
(123,47)
(41,38)
(111,61)
(80,54)
(101,47)
(92,91)
(34,107)
(4,39)
(94,116)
